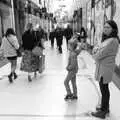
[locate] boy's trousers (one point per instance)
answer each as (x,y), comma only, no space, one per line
(71,76)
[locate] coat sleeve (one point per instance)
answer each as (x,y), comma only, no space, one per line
(105,51)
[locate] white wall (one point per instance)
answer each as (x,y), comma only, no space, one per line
(117,14)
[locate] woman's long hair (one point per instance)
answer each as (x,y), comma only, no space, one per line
(10,31)
(114,32)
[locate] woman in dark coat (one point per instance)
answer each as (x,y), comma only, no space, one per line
(30,62)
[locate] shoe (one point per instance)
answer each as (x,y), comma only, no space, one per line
(15,75)
(74,97)
(99,109)
(99,114)
(68,97)
(29,78)
(10,78)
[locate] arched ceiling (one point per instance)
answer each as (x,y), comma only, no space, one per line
(65,7)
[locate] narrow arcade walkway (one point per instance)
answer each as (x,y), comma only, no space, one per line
(43,98)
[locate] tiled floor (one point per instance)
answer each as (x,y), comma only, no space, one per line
(43,98)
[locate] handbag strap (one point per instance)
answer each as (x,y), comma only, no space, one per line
(11,43)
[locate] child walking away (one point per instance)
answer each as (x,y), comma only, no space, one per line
(72,68)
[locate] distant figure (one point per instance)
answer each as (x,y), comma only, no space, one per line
(9,46)
(68,33)
(83,35)
(52,37)
(59,38)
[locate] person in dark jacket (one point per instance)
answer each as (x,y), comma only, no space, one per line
(30,62)
(68,33)
(59,38)
(40,37)
(51,37)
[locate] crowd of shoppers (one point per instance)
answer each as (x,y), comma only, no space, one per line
(30,39)
(104,56)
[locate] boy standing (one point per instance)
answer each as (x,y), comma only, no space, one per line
(72,69)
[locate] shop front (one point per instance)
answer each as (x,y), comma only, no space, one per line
(97,14)
(5,16)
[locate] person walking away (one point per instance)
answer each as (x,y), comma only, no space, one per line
(68,33)
(40,34)
(9,46)
(51,37)
(105,56)
(72,69)
(39,41)
(59,38)
(30,62)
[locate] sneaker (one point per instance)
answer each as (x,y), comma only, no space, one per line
(67,97)
(99,109)
(74,97)
(99,114)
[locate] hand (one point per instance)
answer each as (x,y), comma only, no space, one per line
(67,68)
(95,49)
(22,53)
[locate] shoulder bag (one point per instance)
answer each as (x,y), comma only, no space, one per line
(38,51)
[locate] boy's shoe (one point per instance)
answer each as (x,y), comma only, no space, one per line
(99,109)
(68,97)
(99,114)
(74,97)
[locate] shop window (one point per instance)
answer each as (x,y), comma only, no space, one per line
(8,2)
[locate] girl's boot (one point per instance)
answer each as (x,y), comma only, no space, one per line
(10,77)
